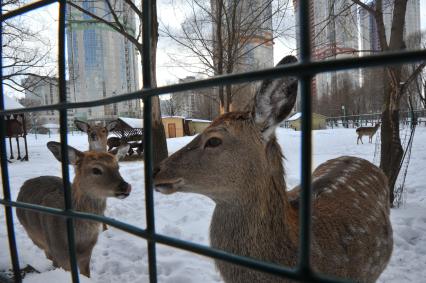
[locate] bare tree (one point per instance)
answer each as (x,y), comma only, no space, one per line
(24,51)
(395,86)
(219,36)
(115,15)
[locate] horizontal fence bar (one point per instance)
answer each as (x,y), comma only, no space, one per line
(271,73)
(26,9)
(176,243)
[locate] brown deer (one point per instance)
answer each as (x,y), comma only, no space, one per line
(96,178)
(366,131)
(237,163)
(96,134)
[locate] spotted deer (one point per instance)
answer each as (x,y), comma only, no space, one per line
(97,135)
(237,163)
(96,178)
(366,131)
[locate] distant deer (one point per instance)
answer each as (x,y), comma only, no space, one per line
(96,178)
(237,163)
(96,134)
(366,131)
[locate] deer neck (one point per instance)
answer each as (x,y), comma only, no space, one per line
(85,202)
(246,226)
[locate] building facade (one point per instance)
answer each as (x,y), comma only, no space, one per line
(102,63)
(252,43)
(333,35)
(41,91)
(197,104)
(369,38)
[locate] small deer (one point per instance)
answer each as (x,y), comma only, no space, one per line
(237,163)
(96,178)
(366,131)
(96,134)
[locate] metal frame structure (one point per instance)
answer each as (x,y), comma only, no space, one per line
(305,69)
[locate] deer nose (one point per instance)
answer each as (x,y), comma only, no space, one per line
(93,136)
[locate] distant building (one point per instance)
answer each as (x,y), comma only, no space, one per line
(332,39)
(102,63)
(198,103)
(369,37)
(43,91)
(256,44)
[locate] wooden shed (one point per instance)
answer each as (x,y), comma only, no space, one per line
(174,126)
(197,126)
(295,121)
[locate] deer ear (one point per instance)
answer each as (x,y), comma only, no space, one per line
(73,154)
(82,126)
(111,126)
(122,151)
(274,101)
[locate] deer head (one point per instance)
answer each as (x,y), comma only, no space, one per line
(96,134)
(220,162)
(96,173)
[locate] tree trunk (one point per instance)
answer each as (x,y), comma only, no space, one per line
(391,148)
(159,143)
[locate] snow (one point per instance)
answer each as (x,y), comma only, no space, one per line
(198,120)
(295,116)
(132,122)
(51,126)
(120,257)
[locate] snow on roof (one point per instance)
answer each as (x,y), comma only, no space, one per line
(132,122)
(178,117)
(10,103)
(199,120)
(295,116)
(50,126)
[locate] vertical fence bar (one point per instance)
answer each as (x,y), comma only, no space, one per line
(305,87)
(147,126)
(64,140)
(5,176)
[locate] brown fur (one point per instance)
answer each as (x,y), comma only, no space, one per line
(352,235)
(367,131)
(237,162)
(89,193)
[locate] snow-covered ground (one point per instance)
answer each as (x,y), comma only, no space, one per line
(119,257)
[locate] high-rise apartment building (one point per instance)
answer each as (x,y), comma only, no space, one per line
(334,35)
(253,42)
(369,37)
(102,62)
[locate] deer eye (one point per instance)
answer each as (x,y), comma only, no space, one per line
(96,171)
(213,142)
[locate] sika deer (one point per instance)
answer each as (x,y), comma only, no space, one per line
(237,162)
(96,178)
(366,131)
(96,134)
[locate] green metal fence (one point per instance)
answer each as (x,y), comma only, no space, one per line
(305,69)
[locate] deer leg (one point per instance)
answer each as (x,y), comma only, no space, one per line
(10,146)
(19,150)
(104,227)
(26,149)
